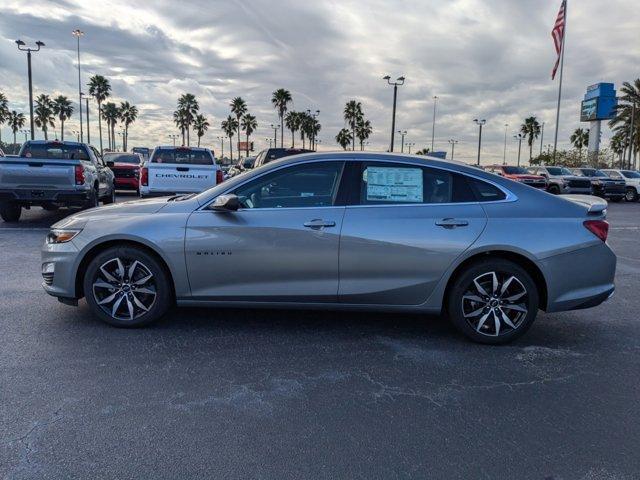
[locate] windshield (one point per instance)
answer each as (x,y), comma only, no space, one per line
(630,174)
(55,150)
(514,170)
(185,156)
(558,171)
(122,158)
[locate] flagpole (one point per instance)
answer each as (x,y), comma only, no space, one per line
(564,41)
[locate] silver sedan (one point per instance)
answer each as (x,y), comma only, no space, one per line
(342,230)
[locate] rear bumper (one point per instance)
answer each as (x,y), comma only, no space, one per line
(579,279)
(37,196)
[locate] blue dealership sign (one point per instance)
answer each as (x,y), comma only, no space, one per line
(599,103)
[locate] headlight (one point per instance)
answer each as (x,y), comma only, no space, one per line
(61,236)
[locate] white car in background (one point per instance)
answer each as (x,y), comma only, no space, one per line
(176,170)
(631,179)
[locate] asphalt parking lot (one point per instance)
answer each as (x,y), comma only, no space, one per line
(306,394)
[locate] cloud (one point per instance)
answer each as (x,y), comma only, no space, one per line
(482,58)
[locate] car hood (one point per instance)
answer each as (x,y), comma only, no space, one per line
(524,176)
(146,206)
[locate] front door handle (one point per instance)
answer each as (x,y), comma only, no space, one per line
(451,222)
(318,223)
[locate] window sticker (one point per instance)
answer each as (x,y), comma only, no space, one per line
(385,184)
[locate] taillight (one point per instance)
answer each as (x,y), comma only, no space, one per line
(219,176)
(79,175)
(600,228)
(144,176)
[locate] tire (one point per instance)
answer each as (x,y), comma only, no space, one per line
(111,198)
(554,189)
(92,200)
(631,195)
(50,207)
(484,321)
(131,294)
(10,212)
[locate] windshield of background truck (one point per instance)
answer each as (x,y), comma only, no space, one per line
(182,156)
(122,158)
(54,151)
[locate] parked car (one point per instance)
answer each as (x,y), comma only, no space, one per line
(561,180)
(631,180)
(126,169)
(174,170)
(603,185)
(519,174)
(356,230)
(271,154)
(53,174)
(243,165)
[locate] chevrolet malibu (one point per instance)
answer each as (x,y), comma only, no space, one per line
(350,230)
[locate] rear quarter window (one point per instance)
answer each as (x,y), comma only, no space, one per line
(485,192)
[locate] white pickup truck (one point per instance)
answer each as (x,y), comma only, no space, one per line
(174,170)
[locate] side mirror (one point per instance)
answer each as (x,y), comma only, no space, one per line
(226,203)
(109,163)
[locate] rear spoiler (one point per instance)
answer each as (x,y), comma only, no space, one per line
(594,205)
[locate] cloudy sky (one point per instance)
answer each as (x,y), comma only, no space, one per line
(483,58)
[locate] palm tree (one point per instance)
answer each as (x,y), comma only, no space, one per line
(621,122)
(128,114)
(111,114)
(100,89)
(62,107)
(4,112)
(43,114)
(230,126)
(618,144)
(305,130)
(292,120)
(16,121)
(238,108)
(200,125)
(352,115)
(424,151)
(580,139)
(280,99)
(249,125)
(180,119)
(189,106)
(531,130)
(344,138)
(363,130)
(314,130)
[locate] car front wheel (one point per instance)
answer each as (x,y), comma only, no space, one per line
(127,287)
(494,301)
(631,195)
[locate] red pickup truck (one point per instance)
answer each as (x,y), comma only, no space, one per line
(519,174)
(126,169)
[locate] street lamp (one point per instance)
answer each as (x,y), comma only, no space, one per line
(25,132)
(433,127)
(275,134)
(221,145)
(86,99)
(78,33)
(452,142)
(519,137)
(402,133)
(22,47)
(541,136)
(399,81)
(480,124)
(269,139)
(409,145)
(173,137)
(504,153)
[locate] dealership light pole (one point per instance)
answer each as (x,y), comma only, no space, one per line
(313,135)
(25,132)
(21,46)
(519,137)
(409,145)
(78,33)
(173,137)
(399,81)
(631,132)
(275,135)
(480,124)
(86,99)
(221,145)
(269,139)
(452,142)
(541,136)
(402,134)
(433,126)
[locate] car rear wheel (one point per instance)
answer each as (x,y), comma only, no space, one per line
(494,301)
(10,212)
(92,200)
(631,195)
(111,197)
(127,287)
(554,189)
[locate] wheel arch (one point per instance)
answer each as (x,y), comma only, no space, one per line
(98,248)
(516,257)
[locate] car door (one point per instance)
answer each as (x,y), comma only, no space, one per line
(104,173)
(280,246)
(404,229)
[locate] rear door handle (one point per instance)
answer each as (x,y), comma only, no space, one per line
(451,222)
(318,223)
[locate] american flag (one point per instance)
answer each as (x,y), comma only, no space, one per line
(558,35)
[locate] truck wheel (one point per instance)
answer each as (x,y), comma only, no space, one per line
(631,195)
(111,198)
(10,212)
(92,200)
(554,189)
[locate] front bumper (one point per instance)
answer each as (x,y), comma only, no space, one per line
(583,278)
(126,183)
(61,282)
(36,196)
